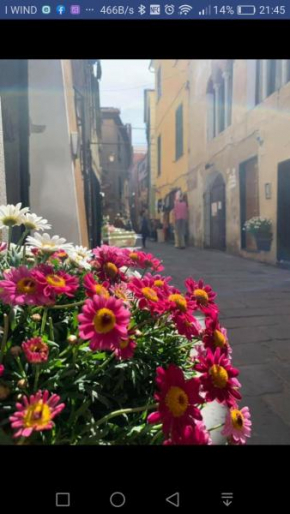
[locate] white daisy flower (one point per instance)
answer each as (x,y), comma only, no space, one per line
(11,215)
(83,252)
(34,222)
(76,259)
(48,244)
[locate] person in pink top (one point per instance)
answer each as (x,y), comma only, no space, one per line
(180,217)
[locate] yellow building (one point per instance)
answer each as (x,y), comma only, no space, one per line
(239,154)
(171,131)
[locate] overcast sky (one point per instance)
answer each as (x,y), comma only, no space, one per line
(122,86)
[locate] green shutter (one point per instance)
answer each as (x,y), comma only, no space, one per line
(179,132)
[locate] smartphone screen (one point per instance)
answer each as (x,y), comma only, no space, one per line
(144,256)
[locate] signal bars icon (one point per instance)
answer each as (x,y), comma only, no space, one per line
(205,12)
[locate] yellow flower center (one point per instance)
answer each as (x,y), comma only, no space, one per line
(120,294)
(30,225)
(110,269)
(134,256)
(124,344)
(179,301)
(201,295)
(26,285)
(37,415)
(159,283)
(176,401)
(10,221)
(104,320)
(219,376)
(237,419)
(55,280)
(101,291)
(219,339)
(150,294)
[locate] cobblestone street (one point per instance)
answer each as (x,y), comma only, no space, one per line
(254,301)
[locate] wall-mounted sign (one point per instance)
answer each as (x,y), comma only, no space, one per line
(214,209)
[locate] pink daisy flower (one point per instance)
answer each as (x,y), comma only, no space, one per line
(126,349)
(35,350)
(92,286)
(108,261)
(20,287)
(144,260)
(179,303)
(104,321)
(150,297)
(36,413)
(177,399)
(202,294)
(186,324)
(214,336)
(218,378)
(122,292)
(3,247)
(55,283)
(196,434)
(238,425)
(2,369)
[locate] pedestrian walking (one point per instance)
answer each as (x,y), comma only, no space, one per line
(180,217)
(144,228)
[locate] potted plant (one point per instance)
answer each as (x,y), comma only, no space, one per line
(261,229)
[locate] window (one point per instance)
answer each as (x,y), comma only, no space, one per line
(179,132)
(271,76)
(159,91)
(159,156)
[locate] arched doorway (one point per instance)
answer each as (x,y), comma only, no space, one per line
(215,212)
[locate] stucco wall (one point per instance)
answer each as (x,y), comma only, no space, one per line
(52,189)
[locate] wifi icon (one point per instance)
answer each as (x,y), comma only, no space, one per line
(184,9)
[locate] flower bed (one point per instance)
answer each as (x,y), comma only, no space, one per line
(98,347)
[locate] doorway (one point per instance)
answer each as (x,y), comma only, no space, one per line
(249,199)
(283,212)
(218,214)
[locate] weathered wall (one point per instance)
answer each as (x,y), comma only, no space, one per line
(262,131)
(52,189)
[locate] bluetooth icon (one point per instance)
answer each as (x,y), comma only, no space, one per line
(142,9)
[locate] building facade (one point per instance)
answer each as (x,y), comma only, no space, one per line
(149,120)
(116,159)
(64,164)
(239,164)
(50,113)
(171,133)
(136,205)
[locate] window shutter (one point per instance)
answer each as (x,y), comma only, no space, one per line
(179,132)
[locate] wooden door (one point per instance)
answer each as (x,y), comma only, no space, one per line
(283,212)
(218,214)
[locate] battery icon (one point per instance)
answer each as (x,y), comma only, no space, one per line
(246,10)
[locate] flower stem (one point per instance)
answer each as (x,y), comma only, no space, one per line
(44,318)
(68,305)
(5,336)
(109,359)
(9,237)
(51,331)
(36,377)
(124,411)
(23,237)
(216,427)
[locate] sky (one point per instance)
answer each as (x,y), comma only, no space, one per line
(122,85)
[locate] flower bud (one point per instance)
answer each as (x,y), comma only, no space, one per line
(73,340)
(22,383)
(1,370)
(4,391)
(16,351)
(36,317)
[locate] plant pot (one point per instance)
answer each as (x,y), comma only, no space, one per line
(263,243)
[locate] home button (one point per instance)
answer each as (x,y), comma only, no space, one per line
(117,499)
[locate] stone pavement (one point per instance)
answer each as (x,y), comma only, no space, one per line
(254,301)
